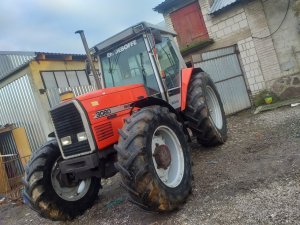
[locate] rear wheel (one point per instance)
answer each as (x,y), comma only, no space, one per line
(205,112)
(50,195)
(154,160)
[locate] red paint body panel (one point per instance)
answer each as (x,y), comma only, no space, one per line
(105,128)
(189,24)
(107,91)
(185,80)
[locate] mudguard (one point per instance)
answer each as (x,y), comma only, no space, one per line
(186,75)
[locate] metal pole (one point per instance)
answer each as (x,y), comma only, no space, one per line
(89,57)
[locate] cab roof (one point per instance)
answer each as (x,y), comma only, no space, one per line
(128,34)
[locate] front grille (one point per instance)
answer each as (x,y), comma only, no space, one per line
(104,131)
(68,122)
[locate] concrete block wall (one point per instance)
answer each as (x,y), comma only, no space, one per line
(232,27)
(263,41)
(265,58)
(229,24)
(169,24)
(227,28)
(251,65)
(239,25)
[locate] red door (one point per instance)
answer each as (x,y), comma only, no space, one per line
(189,24)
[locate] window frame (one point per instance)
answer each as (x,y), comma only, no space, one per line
(65,74)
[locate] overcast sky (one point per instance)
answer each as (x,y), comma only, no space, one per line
(49,25)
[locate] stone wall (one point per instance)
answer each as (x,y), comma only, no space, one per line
(287,87)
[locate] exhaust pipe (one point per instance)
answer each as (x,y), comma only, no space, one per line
(89,58)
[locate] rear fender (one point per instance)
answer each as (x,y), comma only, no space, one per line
(186,75)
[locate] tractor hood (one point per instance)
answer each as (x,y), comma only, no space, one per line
(110,102)
(107,91)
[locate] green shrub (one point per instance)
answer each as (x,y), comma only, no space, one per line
(259,99)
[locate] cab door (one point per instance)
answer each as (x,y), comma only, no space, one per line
(171,66)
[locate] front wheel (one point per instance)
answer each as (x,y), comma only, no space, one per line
(50,195)
(154,159)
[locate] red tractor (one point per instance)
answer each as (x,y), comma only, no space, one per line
(139,124)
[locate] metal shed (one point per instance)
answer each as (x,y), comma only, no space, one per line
(30,83)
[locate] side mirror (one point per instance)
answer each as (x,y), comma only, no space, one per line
(87,67)
(157,36)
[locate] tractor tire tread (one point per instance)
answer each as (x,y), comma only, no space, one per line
(41,197)
(142,183)
(197,113)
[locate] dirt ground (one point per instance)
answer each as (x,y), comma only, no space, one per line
(252,179)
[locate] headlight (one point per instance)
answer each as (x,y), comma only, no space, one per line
(81,136)
(66,141)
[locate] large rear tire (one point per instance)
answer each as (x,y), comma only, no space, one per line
(205,112)
(154,160)
(46,194)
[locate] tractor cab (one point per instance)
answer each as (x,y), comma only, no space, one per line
(142,54)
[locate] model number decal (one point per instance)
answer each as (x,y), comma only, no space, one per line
(109,111)
(102,113)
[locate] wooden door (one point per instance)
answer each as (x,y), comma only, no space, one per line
(189,24)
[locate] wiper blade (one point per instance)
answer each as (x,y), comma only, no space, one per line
(111,71)
(143,69)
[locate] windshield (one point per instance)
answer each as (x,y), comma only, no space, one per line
(129,64)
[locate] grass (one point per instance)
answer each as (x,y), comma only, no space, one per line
(259,99)
(196,46)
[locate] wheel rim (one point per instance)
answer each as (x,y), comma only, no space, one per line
(214,107)
(71,193)
(165,141)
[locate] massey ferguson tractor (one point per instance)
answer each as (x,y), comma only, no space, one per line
(140,123)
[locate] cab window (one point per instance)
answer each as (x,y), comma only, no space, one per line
(169,62)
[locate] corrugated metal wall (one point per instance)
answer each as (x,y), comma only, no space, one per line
(10,61)
(18,106)
(221,4)
(224,68)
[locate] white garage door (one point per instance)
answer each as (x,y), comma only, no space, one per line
(224,68)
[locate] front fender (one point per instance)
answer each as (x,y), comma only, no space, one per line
(149,101)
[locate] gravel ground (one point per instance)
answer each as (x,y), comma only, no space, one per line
(252,179)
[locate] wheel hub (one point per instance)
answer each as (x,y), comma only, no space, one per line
(66,180)
(167,156)
(162,156)
(65,187)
